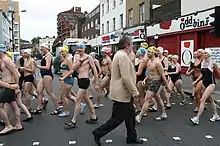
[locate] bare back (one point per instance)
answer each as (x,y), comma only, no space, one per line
(153,73)
(106,63)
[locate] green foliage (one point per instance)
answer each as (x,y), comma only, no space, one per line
(35,40)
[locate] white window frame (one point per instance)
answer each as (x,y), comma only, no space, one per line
(108,6)
(103,9)
(107,28)
(113,24)
(130,17)
(121,20)
(103,28)
(142,12)
(114,4)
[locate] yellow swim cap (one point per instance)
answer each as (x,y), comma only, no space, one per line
(153,49)
(9,54)
(144,45)
(64,49)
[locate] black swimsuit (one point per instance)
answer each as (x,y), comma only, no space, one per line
(142,76)
(207,75)
(46,72)
(174,77)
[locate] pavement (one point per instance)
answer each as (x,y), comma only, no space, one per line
(187,87)
(47,130)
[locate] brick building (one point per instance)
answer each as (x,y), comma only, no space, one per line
(91,28)
(69,25)
(143,13)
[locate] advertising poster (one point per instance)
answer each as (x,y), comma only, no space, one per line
(215,55)
(187,48)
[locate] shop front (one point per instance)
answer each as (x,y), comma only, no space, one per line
(111,40)
(185,35)
(137,34)
(95,44)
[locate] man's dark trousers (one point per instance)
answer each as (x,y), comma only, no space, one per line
(120,112)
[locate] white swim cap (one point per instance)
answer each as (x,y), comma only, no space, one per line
(161,49)
(208,51)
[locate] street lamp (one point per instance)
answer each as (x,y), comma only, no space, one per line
(12,23)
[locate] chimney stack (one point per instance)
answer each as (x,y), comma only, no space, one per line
(77,9)
(72,8)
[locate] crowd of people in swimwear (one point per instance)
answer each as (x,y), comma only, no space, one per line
(93,76)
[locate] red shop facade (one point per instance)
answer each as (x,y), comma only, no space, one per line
(185,35)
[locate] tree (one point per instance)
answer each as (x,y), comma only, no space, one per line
(35,40)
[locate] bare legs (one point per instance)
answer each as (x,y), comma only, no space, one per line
(4,116)
(46,83)
(207,94)
(103,84)
(148,97)
(65,93)
(80,94)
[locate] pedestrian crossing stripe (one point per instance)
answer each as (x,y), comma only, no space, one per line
(36,143)
(208,137)
(177,138)
(143,139)
(109,141)
(72,142)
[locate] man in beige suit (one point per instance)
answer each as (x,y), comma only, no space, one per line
(122,91)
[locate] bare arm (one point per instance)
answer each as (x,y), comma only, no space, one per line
(165,61)
(98,66)
(109,65)
(189,71)
(5,85)
(198,79)
(140,68)
(216,68)
(161,72)
(11,67)
(124,67)
(92,64)
(77,62)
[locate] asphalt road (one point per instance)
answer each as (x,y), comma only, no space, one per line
(47,130)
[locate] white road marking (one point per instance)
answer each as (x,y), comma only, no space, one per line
(208,137)
(190,103)
(177,138)
(36,143)
(109,141)
(173,103)
(71,142)
(143,139)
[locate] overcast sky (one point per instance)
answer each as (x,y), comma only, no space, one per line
(41,16)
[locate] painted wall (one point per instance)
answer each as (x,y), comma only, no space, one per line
(113,13)
(190,6)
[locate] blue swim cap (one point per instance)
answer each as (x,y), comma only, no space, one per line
(3,48)
(142,51)
(81,45)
